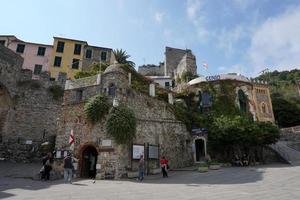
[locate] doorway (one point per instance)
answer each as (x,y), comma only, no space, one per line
(200,150)
(88,162)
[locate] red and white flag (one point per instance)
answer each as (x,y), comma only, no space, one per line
(205,65)
(71,140)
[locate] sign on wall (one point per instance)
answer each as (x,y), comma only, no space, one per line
(153,152)
(137,151)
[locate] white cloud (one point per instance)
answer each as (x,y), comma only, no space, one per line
(158,17)
(227,39)
(193,6)
(243,4)
(276,43)
(197,17)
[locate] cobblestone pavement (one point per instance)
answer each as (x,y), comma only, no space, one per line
(272,182)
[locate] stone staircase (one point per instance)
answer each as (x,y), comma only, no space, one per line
(289,154)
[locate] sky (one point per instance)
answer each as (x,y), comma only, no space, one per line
(231,36)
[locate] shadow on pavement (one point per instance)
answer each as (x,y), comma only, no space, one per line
(15,176)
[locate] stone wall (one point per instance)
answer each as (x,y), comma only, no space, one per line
(156,124)
(152,70)
(31,112)
(187,63)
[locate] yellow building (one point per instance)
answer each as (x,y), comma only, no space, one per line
(66,58)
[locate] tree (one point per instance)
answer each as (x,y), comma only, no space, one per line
(121,57)
(286,113)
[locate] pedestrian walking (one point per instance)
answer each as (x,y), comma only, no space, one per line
(141,168)
(68,168)
(164,166)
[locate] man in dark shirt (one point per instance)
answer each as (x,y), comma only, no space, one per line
(68,168)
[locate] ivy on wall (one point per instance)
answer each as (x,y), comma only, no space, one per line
(121,124)
(96,108)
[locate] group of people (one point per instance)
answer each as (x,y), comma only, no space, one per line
(69,168)
(244,161)
(164,164)
(47,167)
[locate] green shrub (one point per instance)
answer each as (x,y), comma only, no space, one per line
(96,108)
(121,125)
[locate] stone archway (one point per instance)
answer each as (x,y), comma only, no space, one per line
(5,105)
(199,148)
(88,155)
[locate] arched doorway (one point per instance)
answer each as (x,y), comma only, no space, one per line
(88,161)
(200,149)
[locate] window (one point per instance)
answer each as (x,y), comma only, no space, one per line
(2,42)
(41,51)
(77,49)
(57,61)
(78,95)
(75,64)
(206,99)
(167,84)
(242,100)
(88,53)
(103,55)
(112,90)
(37,69)
(60,47)
(20,48)
(263,108)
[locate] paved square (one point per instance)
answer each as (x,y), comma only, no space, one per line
(272,182)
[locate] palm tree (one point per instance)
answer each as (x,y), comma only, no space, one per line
(121,57)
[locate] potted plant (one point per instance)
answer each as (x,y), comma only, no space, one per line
(214,165)
(203,167)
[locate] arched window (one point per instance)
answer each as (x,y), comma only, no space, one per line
(263,108)
(242,100)
(206,99)
(112,90)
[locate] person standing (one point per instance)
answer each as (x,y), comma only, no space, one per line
(164,166)
(68,168)
(47,164)
(141,168)
(92,172)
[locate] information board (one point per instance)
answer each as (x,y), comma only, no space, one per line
(153,152)
(137,151)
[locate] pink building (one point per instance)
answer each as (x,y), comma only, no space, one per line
(36,56)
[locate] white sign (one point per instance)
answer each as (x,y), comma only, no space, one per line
(65,153)
(28,142)
(58,154)
(106,143)
(153,152)
(213,78)
(137,151)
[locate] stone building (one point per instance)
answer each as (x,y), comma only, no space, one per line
(95,54)
(28,111)
(152,70)
(176,63)
(253,97)
(156,126)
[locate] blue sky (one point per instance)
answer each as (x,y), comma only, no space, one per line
(242,36)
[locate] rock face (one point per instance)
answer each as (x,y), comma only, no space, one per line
(28,111)
(156,125)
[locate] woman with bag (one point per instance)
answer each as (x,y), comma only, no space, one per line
(164,166)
